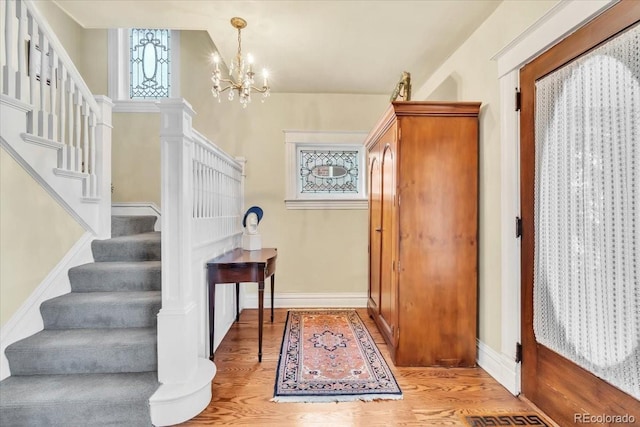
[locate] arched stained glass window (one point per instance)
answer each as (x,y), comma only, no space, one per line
(149,64)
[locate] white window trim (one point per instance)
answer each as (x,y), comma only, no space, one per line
(323,140)
(118,50)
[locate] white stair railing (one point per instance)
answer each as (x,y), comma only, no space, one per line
(61,112)
(202,199)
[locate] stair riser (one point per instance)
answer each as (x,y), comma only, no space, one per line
(115,282)
(77,400)
(105,251)
(59,316)
(129,225)
(83,360)
(132,413)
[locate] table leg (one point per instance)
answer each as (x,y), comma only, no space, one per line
(260,317)
(237,302)
(273,278)
(212,316)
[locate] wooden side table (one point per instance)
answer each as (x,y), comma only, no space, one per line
(241,266)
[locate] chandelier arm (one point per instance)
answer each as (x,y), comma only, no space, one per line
(230,82)
(260,90)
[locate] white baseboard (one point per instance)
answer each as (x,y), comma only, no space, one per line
(304,300)
(175,403)
(500,366)
(136,209)
(27,320)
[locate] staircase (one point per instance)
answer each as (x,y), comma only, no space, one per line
(95,362)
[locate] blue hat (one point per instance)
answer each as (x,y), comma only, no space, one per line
(253,209)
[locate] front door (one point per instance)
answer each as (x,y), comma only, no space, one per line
(580,189)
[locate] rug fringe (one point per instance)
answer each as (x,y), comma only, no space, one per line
(336,399)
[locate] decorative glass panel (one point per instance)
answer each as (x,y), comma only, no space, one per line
(587,212)
(149,65)
(328,172)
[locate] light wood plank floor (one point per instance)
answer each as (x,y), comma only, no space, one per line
(242,388)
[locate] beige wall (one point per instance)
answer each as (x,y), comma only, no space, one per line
(66,29)
(35,233)
(470,75)
(320,251)
(30,247)
(312,244)
(135,157)
(86,48)
(306,239)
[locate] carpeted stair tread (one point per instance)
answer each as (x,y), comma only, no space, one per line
(102,310)
(73,400)
(84,351)
(138,247)
(116,276)
(95,363)
(123,225)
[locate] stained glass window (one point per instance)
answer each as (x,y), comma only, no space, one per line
(328,171)
(150,63)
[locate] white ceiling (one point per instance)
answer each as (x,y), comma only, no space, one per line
(312,46)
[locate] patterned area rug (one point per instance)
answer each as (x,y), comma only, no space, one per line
(329,356)
(503,419)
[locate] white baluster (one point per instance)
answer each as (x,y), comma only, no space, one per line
(73,154)
(8,70)
(42,113)
(207,185)
(77,103)
(203,179)
(85,137)
(196,181)
(93,182)
(203,183)
(62,116)
(3,46)
(21,74)
(212,199)
(32,121)
(53,88)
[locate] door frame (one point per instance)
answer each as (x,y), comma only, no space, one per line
(560,21)
(552,381)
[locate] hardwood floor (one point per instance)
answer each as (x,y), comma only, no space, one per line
(242,388)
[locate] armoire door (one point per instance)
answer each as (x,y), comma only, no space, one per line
(375,227)
(388,276)
(580,139)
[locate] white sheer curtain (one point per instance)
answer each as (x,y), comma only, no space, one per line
(587,212)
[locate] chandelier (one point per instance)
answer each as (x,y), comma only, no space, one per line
(241,74)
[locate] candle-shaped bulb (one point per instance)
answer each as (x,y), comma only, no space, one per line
(216,61)
(265,75)
(250,61)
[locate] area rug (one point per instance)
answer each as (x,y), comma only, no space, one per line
(504,419)
(329,356)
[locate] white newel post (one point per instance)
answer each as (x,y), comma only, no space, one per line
(185,377)
(177,320)
(103,164)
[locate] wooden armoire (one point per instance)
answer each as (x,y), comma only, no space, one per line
(423,231)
